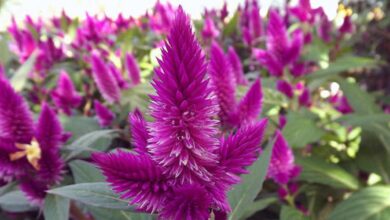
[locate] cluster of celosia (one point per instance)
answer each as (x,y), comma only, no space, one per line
(29,152)
(184,164)
(202,136)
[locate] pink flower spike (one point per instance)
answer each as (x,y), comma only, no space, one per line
(105,80)
(133,69)
(105,115)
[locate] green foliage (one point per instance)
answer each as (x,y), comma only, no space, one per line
(242,195)
(93,194)
(368,204)
(315,170)
(56,208)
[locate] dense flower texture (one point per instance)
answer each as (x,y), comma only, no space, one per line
(282,167)
(65,95)
(181,170)
(28,153)
(281,51)
(232,114)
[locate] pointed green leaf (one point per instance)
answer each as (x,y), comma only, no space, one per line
(93,194)
(242,195)
(19,79)
(56,208)
(84,172)
(371,203)
(289,213)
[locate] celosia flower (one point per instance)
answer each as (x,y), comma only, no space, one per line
(281,51)
(251,23)
(182,169)
(282,168)
(209,30)
(104,79)
(305,98)
(341,103)
(249,108)
(24,42)
(285,88)
(237,68)
(304,12)
(223,81)
(347,26)
(65,96)
(133,69)
(28,153)
(325,27)
(105,115)
(224,11)
(118,76)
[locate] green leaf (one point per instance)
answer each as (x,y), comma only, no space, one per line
(371,203)
(94,194)
(301,130)
(90,142)
(79,125)
(342,64)
(84,172)
(360,100)
(56,208)
(258,205)
(19,79)
(15,201)
(316,170)
(231,26)
(289,213)
(242,195)
(356,119)
(104,214)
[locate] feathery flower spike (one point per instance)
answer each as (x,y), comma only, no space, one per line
(105,115)
(65,96)
(133,69)
(104,79)
(237,68)
(282,167)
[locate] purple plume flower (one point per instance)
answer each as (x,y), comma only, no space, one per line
(255,25)
(209,30)
(341,103)
(237,68)
(282,167)
(223,82)
(104,79)
(224,11)
(324,27)
(181,170)
(27,153)
(118,76)
(285,88)
(305,98)
(303,11)
(347,26)
(139,131)
(241,149)
(249,108)
(133,69)
(65,96)
(105,115)
(281,51)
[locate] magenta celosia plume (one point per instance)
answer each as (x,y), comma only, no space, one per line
(238,70)
(104,79)
(28,152)
(209,30)
(182,167)
(133,69)
(104,115)
(282,167)
(223,81)
(281,51)
(285,88)
(65,95)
